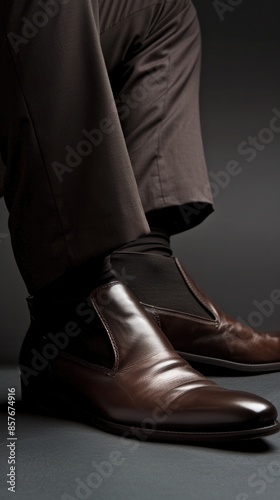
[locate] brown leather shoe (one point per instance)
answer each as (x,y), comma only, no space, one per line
(218,340)
(104,360)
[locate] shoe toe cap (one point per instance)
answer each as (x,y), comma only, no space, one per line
(214,409)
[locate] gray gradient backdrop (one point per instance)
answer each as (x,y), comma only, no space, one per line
(234,254)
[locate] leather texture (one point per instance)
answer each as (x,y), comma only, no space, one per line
(143,387)
(219,340)
(54,452)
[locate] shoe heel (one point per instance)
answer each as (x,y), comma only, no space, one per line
(40,396)
(36,393)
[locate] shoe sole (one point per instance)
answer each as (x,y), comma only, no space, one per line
(59,406)
(232,365)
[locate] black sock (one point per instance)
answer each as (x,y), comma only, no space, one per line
(79,281)
(157,242)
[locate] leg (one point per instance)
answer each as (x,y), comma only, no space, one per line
(156,87)
(61,149)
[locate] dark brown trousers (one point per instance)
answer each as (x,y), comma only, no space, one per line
(99,125)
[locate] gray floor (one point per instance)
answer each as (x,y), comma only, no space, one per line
(53,456)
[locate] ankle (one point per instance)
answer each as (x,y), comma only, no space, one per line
(157,243)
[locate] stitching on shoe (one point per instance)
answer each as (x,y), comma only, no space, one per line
(155,316)
(96,307)
(162,310)
(196,292)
